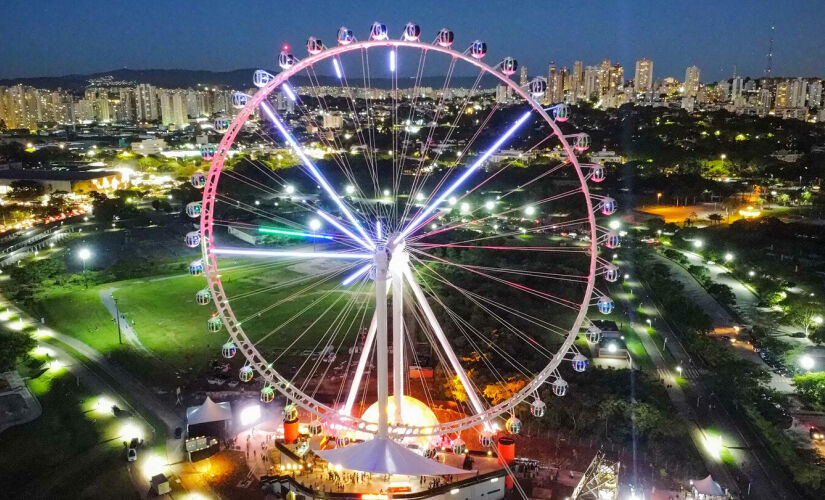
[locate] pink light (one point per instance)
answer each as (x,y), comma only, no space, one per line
(286,47)
(337,67)
(422,216)
(357,274)
(289,253)
(314,171)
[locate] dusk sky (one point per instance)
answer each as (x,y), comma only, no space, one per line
(56,37)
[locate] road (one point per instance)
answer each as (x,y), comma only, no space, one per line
(747,452)
(720,317)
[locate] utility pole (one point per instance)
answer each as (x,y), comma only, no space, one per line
(117,318)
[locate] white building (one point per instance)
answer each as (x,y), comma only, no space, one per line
(606,156)
(149,146)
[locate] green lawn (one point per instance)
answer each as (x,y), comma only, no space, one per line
(72,451)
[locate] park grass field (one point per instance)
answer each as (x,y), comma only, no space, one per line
(72,442)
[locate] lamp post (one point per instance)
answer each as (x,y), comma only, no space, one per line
(117,318)
(315,225)
(84,255)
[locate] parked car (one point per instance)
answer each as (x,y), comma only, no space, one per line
(816,433)
(131,453)
(798,335)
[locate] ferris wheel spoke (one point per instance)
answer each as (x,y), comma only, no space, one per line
(289,253)
(421,300)
(425,212)
(518,286)
(523,208)
(313,170)
(420,180)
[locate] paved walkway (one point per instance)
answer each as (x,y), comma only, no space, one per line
(122,323)
(18,389)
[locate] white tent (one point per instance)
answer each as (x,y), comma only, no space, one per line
(209,411)
(384,456)
(708,487)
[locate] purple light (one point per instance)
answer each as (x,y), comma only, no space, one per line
(314,171)
(475,166)
(327,217)
(378,230)
(354,276)
(337,67)
(392,61)
(288,253)
(288,91)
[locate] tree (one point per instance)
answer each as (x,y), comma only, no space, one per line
(14,347)
(818,336)
(811,386)
(715,218)
(26,190)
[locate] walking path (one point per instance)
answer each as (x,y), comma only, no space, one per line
(125,329)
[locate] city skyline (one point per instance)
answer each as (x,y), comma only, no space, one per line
(732,38)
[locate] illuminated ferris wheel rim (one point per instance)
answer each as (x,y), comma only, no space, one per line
(248,348)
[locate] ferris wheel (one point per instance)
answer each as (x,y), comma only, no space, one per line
(441,221)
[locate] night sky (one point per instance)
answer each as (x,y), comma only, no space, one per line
(56,37)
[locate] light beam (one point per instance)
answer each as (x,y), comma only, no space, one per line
(422,216)
(269,230)
(314,170)
(289,253)
(357,274)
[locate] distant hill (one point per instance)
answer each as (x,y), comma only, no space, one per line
(237,79)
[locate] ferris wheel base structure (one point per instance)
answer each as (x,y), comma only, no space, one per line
(389,250)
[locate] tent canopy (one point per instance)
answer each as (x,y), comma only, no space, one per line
(708,486)
(384,456)
(209,411)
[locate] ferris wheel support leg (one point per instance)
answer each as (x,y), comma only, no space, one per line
(359,369)
(475,401)
(397,342)
(381,347)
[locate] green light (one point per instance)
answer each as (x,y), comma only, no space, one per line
(286,232)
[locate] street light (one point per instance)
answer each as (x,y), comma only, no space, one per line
(728,257)
(806,362)
(530,210)
(698,243)
(84,255)
(679,370)
(315,225)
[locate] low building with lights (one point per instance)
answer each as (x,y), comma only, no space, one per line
(69,181)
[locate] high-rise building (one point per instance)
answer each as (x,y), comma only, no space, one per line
(798,93)
(615,77)
(783,95)
(173,108)
(577,80)
(604,77)
(502,94)
(146,103)
(737,85)
(591,82)
(692,81)
(523,80)
(815,94)
(643,80)
(550,92)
